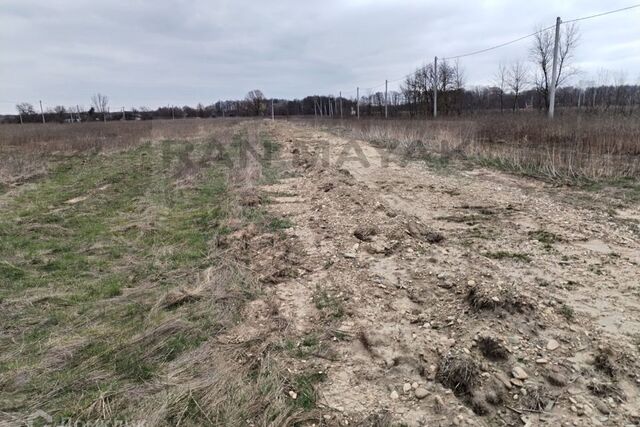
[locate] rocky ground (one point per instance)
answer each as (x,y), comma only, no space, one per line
(456,296)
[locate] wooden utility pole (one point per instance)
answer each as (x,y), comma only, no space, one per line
(554,73)
(315,108)
(273,117)
(340,104)
(20,114)
(386,112)
(78,109)
(358,102)
(42,112)
(435,87)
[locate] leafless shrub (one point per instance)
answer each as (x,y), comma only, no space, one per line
(606,389)
(604,363)
(459,372)
(536,398)
(488,297)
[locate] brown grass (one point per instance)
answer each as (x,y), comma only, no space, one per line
(458,372)
(26,150)
(159,344)
(593,147)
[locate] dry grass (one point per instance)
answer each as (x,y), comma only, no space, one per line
(459,372)
(28,149)
(122,304)
(536,399)
(593,147)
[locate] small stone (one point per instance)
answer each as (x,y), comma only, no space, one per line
(503,379)
(414,385)
(349,255)
(541,361)
(406,387)
(421,392)
(552,345)
(516,382)
(602,407)
(394,395)
(519,373)
(293,394)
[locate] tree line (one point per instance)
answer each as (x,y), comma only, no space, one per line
(521,84)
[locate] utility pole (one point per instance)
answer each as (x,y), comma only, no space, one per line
(435,87)
(386,112)
(124,116)
(579,94)
(315,108)
(78,109)
(554,73)
(358,101)
(340,104)
(20,114)
(42,112)
(273,117)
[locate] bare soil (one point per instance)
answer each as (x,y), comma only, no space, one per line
(451,297)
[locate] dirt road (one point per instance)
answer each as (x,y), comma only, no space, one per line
(453,297)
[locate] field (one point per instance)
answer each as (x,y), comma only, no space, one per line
(375,273)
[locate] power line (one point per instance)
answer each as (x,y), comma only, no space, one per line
(602,14)
(500,45)
(520,39)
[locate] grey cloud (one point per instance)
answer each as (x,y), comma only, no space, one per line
(184,52)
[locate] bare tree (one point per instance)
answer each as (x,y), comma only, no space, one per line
(541,54)
(100,104)
(255,99)
(501,82)
(458,86)
(25,109)
(517,77)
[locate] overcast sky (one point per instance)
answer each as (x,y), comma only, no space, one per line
(143,52)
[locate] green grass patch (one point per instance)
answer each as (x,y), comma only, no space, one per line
(328,303)
(304,384)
